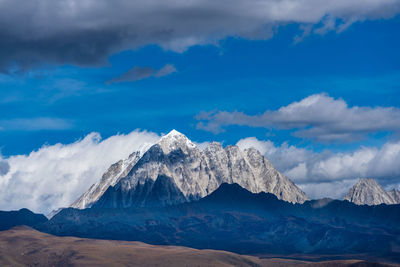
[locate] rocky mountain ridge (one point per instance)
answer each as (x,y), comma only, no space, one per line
(175,170)
(369,192)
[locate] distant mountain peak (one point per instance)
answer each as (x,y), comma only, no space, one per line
(368,191)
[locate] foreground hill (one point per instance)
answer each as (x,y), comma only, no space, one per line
(234,219)
(24,246)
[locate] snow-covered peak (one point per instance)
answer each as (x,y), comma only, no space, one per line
(173,133)
(175,140)
(187,175)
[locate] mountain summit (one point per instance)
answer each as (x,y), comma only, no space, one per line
(175,140)
(369,192)
(175,170)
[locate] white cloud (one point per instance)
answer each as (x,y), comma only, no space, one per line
(54,176)
(328,174)
(85,32)
(319,117)
(335,189)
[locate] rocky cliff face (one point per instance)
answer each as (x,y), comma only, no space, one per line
(395,194)
(369,192)
(175,170)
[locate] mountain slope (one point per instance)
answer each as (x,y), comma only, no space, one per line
(114,173)
(192,174)
(369,192)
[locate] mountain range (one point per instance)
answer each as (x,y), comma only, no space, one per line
(237,220)
(175,193)
(175,170)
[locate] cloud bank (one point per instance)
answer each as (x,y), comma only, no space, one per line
(318,117)
(54,176)
(86,32)
(328,174)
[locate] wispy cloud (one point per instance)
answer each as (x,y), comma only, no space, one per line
(35,124)
(164,71)
(319,117)
(140,73)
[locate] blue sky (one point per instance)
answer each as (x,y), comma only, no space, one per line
(312,84)
(359,65)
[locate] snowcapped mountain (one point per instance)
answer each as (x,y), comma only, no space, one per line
(369,192)
(175,170)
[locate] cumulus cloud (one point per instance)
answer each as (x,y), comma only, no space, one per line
(35,124)
(140,73)
(319,117)
(328,174)
(86,32)
(54,176)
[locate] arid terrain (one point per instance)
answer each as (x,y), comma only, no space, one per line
(23,246)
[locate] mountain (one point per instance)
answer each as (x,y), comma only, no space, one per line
(9,219)
(175,170)
(234,219)
(369,192)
